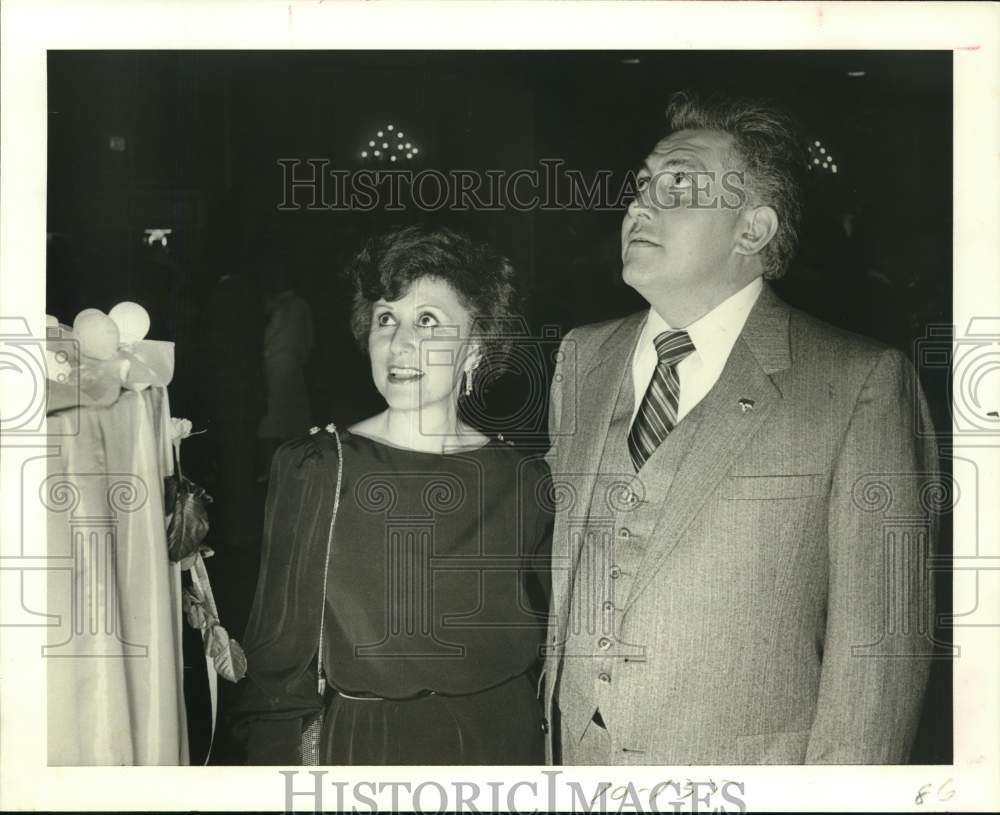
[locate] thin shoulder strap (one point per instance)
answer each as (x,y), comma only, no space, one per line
(321,682)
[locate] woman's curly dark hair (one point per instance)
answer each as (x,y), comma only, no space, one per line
(484,280)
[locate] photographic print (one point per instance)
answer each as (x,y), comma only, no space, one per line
(440,424)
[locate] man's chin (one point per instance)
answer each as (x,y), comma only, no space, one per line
(638,275)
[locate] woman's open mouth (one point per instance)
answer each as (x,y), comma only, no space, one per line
(400,374)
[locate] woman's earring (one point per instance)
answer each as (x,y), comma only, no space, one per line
(468,381)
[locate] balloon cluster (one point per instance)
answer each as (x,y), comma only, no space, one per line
(100,335)
(88,365)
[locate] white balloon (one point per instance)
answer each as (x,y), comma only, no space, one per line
(98,335)
(86,312)
(132,321)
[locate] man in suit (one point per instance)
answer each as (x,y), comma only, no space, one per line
(731,580)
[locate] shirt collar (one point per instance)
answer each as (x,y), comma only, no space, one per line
(713,334)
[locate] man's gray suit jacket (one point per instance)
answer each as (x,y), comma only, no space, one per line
(783,604)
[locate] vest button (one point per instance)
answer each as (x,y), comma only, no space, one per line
(604,677)
(604,643)
(624,533)
(607,605)
(616,572)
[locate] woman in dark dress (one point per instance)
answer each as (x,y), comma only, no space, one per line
(435,580)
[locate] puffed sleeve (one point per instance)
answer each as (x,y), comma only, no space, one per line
(281,639)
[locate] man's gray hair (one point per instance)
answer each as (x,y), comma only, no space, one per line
(770,151)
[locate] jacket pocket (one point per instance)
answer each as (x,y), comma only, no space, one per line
(788,747)
(763,487)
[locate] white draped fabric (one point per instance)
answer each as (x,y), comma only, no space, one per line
(115,682)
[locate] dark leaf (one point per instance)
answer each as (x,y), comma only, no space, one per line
(189,522)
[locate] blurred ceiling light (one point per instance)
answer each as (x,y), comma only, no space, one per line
(383,146)
(630,61)
(820,157)
(157,236)
(855,73)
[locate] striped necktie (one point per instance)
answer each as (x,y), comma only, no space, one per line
(658,412)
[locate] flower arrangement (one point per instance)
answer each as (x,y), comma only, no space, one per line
(187,526)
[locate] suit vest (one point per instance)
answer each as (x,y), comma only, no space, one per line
(623,512)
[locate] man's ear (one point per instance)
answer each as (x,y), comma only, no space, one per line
(759,225)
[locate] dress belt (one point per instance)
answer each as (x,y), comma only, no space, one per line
(365,696)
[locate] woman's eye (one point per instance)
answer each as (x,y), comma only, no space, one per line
(427,321)
(385,318)
(641,183)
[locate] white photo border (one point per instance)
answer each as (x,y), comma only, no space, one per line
(970,31)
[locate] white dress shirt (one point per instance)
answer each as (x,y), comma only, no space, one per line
(713,335)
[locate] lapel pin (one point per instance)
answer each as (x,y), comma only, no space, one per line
(746,404)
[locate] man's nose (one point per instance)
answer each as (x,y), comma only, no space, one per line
(638,204)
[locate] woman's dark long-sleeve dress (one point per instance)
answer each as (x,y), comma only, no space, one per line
(436,597)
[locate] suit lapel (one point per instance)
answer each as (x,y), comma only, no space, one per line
(725,425)
(599,390)
(597,394)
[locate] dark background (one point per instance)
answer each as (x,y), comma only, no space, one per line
(203,132)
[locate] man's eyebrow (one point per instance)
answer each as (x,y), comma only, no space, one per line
(682,160)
